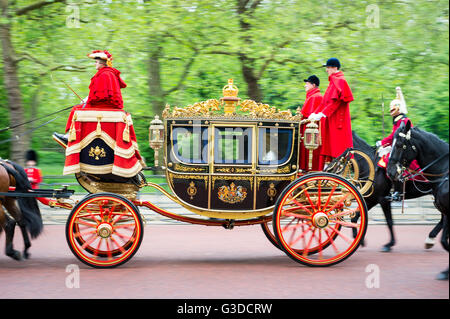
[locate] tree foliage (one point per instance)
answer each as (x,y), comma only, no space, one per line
(181,52)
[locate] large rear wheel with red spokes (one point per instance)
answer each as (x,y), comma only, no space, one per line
(312,219)
(104,230)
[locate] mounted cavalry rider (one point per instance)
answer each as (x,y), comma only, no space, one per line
(335,109)
(104,90)
(398,112)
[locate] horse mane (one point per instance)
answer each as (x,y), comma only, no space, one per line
(433,138)
(360,144)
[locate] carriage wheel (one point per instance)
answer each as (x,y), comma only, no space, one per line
(104,230)
(268,231)
(360,172)
(314,212)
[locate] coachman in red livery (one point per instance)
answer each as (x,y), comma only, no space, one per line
(99,137)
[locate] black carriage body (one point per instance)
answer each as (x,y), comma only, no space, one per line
(236,165)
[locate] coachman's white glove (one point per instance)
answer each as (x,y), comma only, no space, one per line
(316,117)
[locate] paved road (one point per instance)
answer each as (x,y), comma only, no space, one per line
(189,261)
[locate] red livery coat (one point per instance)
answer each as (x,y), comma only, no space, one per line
(34,176)
(337,131)
(312,103)
(396,121)
(104,92)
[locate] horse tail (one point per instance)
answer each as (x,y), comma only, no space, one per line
(29,207)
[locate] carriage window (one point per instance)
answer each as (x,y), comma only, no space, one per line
(233,145)
(190,144)
(274,146)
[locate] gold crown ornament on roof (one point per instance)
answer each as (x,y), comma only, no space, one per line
(230,92)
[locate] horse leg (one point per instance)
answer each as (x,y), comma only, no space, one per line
(444,241)
(386,207)
(11,207)
(430,240)
(9,232)
(355,220)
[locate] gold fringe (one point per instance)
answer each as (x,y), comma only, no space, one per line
(72,131)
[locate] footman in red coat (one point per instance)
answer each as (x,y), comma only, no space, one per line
(312,104)
(337,130)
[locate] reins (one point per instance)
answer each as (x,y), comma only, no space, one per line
(421,171)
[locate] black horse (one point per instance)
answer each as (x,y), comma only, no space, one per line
(24,210)
(382,186)
(431,154)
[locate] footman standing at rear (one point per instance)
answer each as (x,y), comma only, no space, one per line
(337,131)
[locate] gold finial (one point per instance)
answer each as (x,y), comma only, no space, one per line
(230,89)
(230,92)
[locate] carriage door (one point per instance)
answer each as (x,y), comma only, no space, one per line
(233,167)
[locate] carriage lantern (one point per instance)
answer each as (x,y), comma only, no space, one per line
(230,92)
(156,136)
(311,140)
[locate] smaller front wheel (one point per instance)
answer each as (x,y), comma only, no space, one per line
(104,230)
(314,214)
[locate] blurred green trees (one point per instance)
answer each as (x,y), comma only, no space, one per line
(181,52)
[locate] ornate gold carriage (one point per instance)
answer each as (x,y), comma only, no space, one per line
(234,163)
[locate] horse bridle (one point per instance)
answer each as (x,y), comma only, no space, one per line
(402,163)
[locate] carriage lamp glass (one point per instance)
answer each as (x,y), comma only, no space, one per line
(230,92)
(311,140)
(156,136)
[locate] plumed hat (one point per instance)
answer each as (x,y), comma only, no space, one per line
(399,102)
(103,55)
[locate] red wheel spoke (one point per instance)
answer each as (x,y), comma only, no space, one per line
(309,199)
(89,241)
(293,227)
(285,227)
(125,226)
(81,234)
(348,224)
(320,244)
(98,248)
(108,248)
(302,206)
(86,223)
(294,231)
(301,236)
(305,252)
(124,237)
(319,195)
(299,216)
(332,242)
(348,240)
(330,196)
(338,202)
(120,247)
(344,213)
